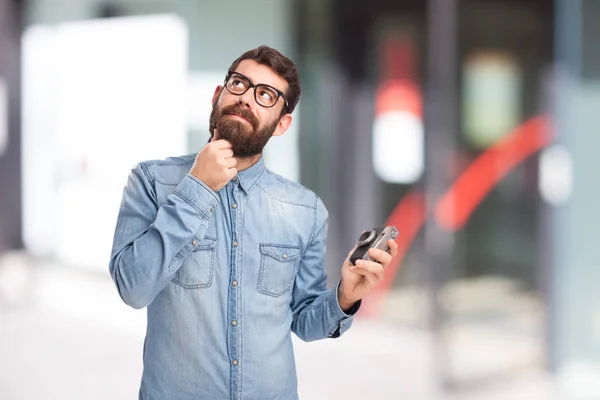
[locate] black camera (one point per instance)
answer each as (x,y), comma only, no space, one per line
(377,238)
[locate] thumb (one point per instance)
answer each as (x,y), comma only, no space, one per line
(353,249)
(215,135)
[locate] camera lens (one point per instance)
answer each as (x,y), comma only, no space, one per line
(366,237)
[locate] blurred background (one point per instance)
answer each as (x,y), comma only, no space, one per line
(471,125)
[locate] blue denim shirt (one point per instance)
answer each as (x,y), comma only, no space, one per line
(225,277)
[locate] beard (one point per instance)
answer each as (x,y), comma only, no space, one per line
(247,139)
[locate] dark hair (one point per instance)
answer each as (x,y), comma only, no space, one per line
(279,63)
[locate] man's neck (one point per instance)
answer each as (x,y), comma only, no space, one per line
(245,163)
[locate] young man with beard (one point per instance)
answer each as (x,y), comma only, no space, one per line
(229,257)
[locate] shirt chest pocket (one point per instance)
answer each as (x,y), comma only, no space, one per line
(278,264)
(196,272)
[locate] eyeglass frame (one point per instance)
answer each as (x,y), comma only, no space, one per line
(253,86)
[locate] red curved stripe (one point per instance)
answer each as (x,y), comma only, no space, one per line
(458,203)
(456,206)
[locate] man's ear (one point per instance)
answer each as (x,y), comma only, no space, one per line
(218,90)
(283,125)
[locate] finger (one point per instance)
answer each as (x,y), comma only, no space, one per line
(222,144)
(383,257)
(231,172)
(369,266)
(352,251)
(215,135)
(229,162)
(393,247)
(369,276)
(226,153)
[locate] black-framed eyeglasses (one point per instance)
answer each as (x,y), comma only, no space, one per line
(265,95)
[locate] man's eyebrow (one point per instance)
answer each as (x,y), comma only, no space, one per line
(252,82)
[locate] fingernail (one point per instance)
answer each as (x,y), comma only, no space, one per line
(359,262)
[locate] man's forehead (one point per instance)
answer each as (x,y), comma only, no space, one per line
(260,73)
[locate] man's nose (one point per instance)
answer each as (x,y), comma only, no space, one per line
(247,99)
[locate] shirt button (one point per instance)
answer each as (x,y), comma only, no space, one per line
(234,322)
(235,244)
(235,362)
(194,242)
(235,178)
(284,256)
(212,209)
(234,205)
(234,283)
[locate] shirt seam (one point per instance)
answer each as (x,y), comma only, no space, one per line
(314,227)
(190,202)
(282,201)
(255,183)
(147,173)
(166,183)
(310,240)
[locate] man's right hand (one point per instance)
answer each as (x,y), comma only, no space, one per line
(215,164)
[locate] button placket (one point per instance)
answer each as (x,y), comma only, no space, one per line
(233,310)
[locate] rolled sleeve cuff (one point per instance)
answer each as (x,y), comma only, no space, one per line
(198,195)
(344,320)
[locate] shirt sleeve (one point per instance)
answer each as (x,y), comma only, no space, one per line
(151,242)
(317,312)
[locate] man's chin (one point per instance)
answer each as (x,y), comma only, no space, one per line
(234,128)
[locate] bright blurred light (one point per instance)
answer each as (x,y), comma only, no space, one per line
(99,96)
(556,174)
(398,147)
(398,133)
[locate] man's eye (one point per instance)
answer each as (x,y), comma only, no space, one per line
(266,95)
(237,83)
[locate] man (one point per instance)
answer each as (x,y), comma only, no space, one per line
(227,256)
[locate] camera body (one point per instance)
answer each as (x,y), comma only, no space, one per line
(376,238)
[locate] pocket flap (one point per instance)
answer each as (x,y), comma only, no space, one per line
(280,252)
(206,244)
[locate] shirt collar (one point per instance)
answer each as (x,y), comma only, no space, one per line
(248,177)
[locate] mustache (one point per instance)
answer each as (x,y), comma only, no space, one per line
(243,112)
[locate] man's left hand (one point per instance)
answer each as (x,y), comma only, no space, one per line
(358,281)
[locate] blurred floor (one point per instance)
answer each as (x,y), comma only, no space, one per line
(65,334)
